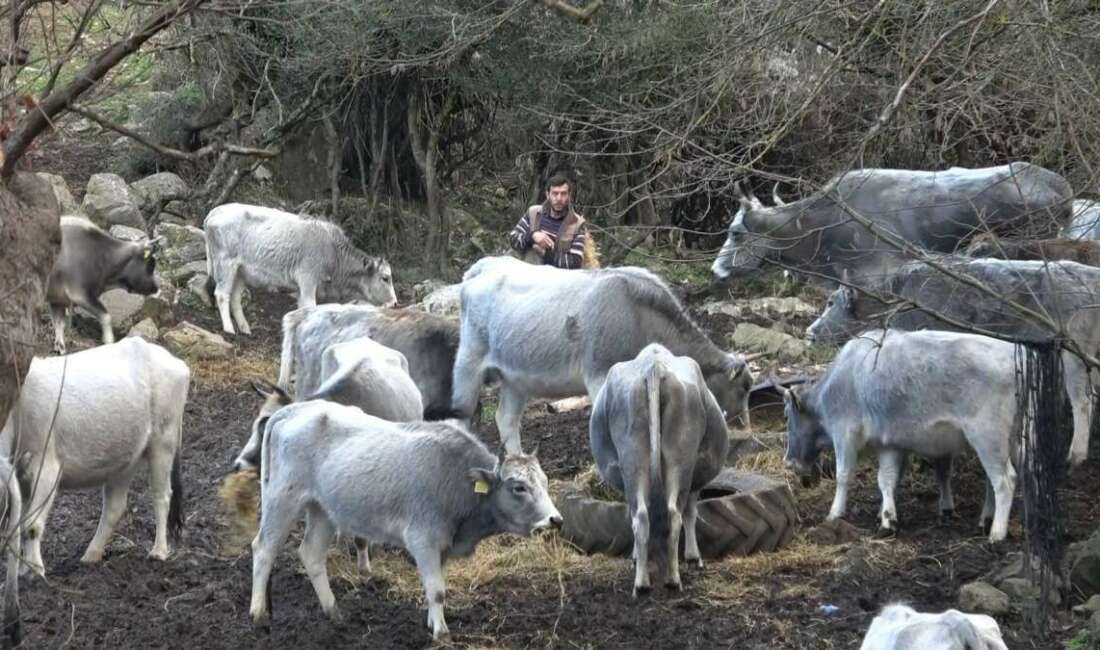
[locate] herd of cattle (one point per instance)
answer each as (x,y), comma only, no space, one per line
(367,430)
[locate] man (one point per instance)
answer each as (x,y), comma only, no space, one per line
(552,233)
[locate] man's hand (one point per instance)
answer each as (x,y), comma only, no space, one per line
(543,241)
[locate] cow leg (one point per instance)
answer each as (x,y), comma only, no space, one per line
(362,554)
(944,467)
(676,505)
(429,563)
(226,279)
(1077,386)
(509,415)
(468,375)
(114,504)
(96,308)
(1002,480)
(307,291)
(278,514)
(236,309)
(160,484)
(314,555)
(637,490)
(846,458)
(890,463)
(57,317)
(44,486)
(691,543)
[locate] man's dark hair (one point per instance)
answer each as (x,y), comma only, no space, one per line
(560,179)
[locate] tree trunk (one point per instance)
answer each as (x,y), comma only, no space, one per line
(425,148)
(30,236)
(335,165)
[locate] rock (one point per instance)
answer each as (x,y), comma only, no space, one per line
(164,186)
(1021,591)
(444,301)
(196,287)
(753,338)
(1013,567)
(127,233)
(193,341)
(836,531)
(982,597)
(1090,607)
(1084,572)
(181,244)
(127,308)
(146,329)
(60,188)
(184,273)
(569,404)
(1094,624)
(109,201)
(854,563)
(421,290)
(765,310)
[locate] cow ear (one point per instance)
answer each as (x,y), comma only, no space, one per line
(481,478)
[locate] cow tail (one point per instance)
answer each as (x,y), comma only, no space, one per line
(658,504)
(265,453)
(12,624)
(211,283)
(290,339)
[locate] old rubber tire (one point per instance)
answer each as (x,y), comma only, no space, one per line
(739,513)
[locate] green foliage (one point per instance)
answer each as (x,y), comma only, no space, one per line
(1085,640)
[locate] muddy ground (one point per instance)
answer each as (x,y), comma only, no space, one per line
(512,593)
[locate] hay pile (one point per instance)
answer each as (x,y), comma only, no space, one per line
(240,493)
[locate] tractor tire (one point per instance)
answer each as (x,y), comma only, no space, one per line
(740,513)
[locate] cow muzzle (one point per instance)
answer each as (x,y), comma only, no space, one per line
(553,521)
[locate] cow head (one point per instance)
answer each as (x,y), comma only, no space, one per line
(374,282)
(138,272)
(805,435)
(275,398)
(730,387)
(838,322)
(751,235)
(517,494)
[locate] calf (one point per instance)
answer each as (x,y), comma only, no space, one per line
(928,392)
(1081,251)
(430,488)
(262,247)
(658,436)
(900,627)
(91,262)
(92,419)
(358,373)
(428,341)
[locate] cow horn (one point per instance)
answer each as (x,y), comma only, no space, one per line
(263,387)
(775,196)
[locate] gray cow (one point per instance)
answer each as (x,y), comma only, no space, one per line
(263,247)
(930,393)
(430,488)
(1064,291)
(659,437)
(935,211)
(360,373)
(547,332)
(428,341)
(900,627)
(92,419)
(91,262)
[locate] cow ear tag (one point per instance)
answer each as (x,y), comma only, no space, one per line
(481,487)
(148,253)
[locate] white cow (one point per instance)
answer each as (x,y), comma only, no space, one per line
(899,627)
(263,247)
(92,419)
(11,508)
(431,488)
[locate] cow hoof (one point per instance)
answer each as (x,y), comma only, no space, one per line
(985,526)
(674,585)
(335,615)
(261,620)
(92,557)
(158,555)
(696,562)
(641,590)
(947,515)
(443,636)
(886,532)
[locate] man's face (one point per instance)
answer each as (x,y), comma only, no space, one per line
(558,196)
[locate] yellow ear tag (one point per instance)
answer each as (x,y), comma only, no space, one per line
(148,253)
(481,487)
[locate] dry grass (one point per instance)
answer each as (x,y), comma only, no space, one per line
(240,493)
(245,364)
(589,483)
